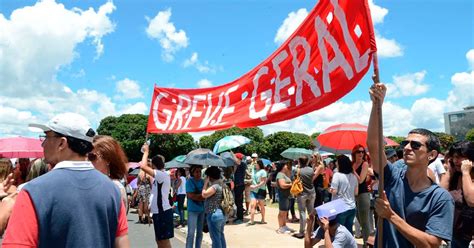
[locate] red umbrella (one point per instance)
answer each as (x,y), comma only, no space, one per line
(341,138)
(20,147)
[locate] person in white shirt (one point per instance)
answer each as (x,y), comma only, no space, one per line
(160,205)
(438,170)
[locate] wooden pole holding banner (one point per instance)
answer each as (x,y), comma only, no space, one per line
(376,79)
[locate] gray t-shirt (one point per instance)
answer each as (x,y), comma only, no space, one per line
(306,175)
(214,202)
(342,239)
(283,192)
(345,185)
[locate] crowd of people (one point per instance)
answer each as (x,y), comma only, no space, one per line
(77,194)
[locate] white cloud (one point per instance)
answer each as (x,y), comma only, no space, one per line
(137,108)
(37,41)
(407,85)
(194,61)
(378,13)
(290,24)
(128,89)
(387,48)
(204,83)
(171,40)
(470,58)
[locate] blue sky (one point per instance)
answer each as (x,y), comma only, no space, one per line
(102,58)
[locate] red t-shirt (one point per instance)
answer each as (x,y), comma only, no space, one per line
(22,230)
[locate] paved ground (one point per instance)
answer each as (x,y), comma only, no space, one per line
(258,235)
(142,235)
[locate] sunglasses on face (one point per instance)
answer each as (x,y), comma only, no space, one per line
(415,145)
(360,152)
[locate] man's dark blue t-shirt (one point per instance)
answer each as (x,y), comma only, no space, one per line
(430,210)
(239,174)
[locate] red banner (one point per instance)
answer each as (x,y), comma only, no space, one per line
(321,62)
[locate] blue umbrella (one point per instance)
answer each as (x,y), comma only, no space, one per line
(230,142)
(228,158)
(266,161)
(204,157)
(295,153)
(177,162)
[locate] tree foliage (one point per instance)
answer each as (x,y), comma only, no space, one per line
(397,139)
(130,131)
(470,135)
(280,141)
(446,140)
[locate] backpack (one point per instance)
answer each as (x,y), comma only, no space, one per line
(227,203)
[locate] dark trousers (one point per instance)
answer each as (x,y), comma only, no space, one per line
(239,200)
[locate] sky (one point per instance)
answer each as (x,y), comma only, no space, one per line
(103,58)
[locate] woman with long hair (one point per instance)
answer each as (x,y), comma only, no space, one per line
(344,186)
(460,184)
(109,158)
(213,193)
(258,192)
(283,184)
(361,166)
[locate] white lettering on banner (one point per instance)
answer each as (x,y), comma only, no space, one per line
(359,62)
(208,117)
(338,61)
(178,116)
(265,95)
(279,83)
(166,112)
(194,112)
(300,72)
(226,109)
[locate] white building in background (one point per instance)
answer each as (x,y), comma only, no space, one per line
(458,123)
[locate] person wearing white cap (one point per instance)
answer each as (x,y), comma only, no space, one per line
(73,205)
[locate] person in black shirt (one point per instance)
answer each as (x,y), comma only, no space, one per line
(239,186)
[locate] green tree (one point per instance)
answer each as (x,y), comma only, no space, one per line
(397,139)
(470,135)
(130,131)
(280,141)
(255,134)
(315,135)
(446,140)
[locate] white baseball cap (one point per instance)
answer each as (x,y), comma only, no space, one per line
(69,124)
(254,155)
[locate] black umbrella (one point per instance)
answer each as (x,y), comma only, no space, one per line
(229,159)
(204,157)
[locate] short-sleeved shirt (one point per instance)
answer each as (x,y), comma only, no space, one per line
(214,202)
(437,168)
(194,186)
(430,211)
(342,238)
(283,192)
(345,185)
(256,179)
(306,176)
(161,177)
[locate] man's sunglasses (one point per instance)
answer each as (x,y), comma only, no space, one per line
(415,145)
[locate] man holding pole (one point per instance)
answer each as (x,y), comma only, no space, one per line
(416,211)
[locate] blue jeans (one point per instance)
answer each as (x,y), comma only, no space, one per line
(181,199)
(195,224)
(216,222)
(347,219)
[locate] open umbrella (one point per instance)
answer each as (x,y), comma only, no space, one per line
(230,142)
(295,153)
(228,158)
(134,172)
(177,162)
(20,147)
(341,138)
(204,157)
(266,161)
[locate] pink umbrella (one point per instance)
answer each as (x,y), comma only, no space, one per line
(20,147)
(133,165)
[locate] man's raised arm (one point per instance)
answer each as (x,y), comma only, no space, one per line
(377,95)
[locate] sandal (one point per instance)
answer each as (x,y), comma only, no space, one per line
(263,222)
(251,223)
